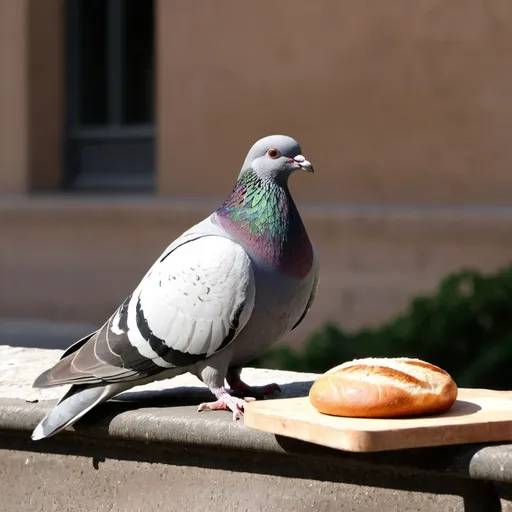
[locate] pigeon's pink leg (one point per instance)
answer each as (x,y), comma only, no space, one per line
(226,402)
(237,384)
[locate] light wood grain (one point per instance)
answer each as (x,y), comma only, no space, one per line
(478,415)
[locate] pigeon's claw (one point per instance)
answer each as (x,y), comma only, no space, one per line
(227,402)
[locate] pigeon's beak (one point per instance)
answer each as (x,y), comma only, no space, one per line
(303,163)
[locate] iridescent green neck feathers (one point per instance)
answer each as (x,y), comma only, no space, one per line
(261,215)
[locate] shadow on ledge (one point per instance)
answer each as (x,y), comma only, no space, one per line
(179,402)
(184,395)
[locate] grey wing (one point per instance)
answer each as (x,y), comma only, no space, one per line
(312,295)
(191,304)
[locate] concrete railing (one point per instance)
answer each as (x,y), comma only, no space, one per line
(150,450)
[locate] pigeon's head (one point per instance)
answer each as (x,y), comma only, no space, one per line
(275,157)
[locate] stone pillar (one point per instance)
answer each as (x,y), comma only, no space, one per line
(31,94)
(13,97)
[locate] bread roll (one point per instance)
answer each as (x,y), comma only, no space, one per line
(383,388)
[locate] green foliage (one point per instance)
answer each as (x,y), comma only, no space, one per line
(465,327)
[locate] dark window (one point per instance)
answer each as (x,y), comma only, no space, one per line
(110,102)
(139,65)
(92,64)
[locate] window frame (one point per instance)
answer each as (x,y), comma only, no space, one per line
(110,137)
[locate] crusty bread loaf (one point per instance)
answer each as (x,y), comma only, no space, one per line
(383,388)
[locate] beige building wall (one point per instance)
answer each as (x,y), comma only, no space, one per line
(401,102)
(31,95)
(408,103)
(46,93)
(13,96)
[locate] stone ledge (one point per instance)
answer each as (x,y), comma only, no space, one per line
(165,413)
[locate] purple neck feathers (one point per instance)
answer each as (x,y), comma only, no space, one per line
(261,215)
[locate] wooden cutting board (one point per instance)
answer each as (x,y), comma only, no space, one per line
(478,415)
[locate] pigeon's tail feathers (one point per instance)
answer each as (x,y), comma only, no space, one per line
(79,400)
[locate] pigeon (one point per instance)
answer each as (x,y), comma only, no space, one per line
(219,296)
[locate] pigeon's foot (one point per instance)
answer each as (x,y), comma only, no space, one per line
(228,403)
(244,390)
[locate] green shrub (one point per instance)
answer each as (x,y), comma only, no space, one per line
(464,327)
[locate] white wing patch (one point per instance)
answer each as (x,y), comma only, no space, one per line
(190,298)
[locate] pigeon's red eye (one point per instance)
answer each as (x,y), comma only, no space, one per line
(273,153)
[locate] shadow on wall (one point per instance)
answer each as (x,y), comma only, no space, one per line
(42,333)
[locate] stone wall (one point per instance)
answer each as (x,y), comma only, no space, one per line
(406,103)
(151,450)
(75,260)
